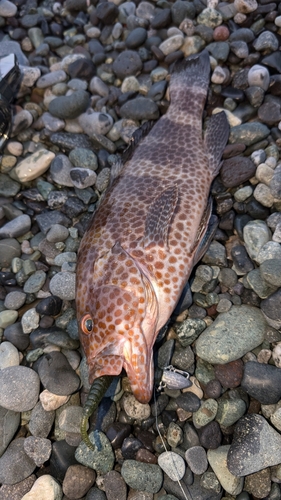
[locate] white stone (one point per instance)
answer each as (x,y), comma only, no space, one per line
(173,464)
(93,122)
(29,75)
(243,193)
(30,320)
(52,401)
(135,409)
(259,76)
(9,355)
(33,166)
(276,355)
(7,9)
(246,6)
(277,21)
(44,488)
(220,75)
(130,84)
(264,173)
(217,460)
(171,44)
(263,195)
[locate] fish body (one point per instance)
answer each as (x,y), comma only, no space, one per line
(138,252)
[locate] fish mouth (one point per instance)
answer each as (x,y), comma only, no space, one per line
(140,371)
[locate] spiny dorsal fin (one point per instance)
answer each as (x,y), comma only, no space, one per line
(216,138)
(137,136)
(159,216)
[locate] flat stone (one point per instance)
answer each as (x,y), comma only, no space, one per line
(141,108)
(255,446)
(229,411)
(33,166)
(224,340)
(217,460)
(206,413)
(248,133)
(127,63)
(20,388)
(60,170)
(16,227)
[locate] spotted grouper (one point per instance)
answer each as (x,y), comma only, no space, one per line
(148,232)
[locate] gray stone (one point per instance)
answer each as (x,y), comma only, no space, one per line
(10,47)
(141,476)
(38,449)
(51,79)
(9,423)
(15,465)
(248,133)
(63,285)
(82,157)
(215,255)
(255,446)
(16,227)
(71,106)
(196,459)
(57,375)
(14,300)
(141,108)
(35,282)
(83,177)
(41,421)
(60,170)
(225,340)
(255,234)
(20,388)
(8,187)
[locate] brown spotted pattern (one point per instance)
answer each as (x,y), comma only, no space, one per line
(138,252)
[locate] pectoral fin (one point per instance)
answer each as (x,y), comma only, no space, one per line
(216,138)
(205,233)
(159,217)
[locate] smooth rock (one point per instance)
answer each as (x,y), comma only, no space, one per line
(224,340)
(9,423)
(172,464)
(33,166)
(41,420)
(57,375)
(115,487)
(77,481)
(44,488)
(262,382)
(102,459)
(15,465)
(255,446)
(38,449)
(196,459)
(142,477)
(16,227)
(63,285)
(217,460)
(20,388)
(256,234)
(9,355)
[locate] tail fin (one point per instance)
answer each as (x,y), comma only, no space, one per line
(193,71)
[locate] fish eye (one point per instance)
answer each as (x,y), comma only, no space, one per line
(87,324)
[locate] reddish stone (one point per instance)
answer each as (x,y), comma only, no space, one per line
(237,170)
(145,456)
(221,33)
(230,374)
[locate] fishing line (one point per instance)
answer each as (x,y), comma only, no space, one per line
(189,497)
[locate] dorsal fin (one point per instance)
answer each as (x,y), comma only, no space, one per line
(159,216)
(215,140)
(137,136)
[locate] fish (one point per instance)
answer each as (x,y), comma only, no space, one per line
(149,231)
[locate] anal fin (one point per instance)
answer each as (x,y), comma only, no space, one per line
(215,140)
(159,217)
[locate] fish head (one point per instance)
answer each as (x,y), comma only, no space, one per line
(118,327)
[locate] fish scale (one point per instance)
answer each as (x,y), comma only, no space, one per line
(148,232)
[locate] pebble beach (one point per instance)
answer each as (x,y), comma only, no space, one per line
(92,74)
